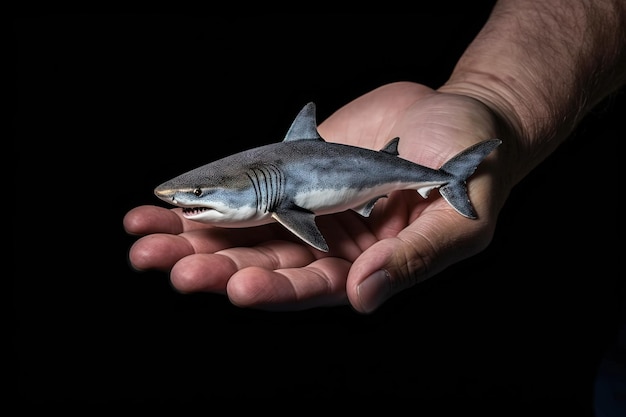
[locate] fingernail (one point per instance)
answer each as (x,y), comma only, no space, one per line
(374,290)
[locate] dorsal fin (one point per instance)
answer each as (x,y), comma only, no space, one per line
(304,125)
(392,147)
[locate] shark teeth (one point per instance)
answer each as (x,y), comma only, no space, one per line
(192,211)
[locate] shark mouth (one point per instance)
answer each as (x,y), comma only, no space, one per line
(193,211)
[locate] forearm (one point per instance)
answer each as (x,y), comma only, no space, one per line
(541,65)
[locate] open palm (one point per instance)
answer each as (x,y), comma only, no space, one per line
(405,240)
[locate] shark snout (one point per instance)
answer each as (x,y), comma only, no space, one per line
(165,194)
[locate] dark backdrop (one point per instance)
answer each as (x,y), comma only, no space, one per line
(111,105)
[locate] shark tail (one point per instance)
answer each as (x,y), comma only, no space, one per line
(461,166)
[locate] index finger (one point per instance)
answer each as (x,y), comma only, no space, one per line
(143,220)
(147,219)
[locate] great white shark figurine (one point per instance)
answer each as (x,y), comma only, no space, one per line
(304,176)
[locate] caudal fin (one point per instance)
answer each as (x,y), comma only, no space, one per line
(461,166)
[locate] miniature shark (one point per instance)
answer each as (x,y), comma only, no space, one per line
(304,176)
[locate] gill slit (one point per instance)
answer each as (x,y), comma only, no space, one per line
(268,183)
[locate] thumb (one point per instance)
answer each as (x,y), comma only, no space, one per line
(414,255)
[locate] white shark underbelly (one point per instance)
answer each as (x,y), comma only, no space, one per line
(332,200)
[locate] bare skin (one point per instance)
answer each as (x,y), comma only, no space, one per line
(502,87)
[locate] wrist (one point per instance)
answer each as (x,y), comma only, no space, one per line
(514,117)
(541,66)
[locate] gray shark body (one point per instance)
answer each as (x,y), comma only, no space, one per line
(304,176)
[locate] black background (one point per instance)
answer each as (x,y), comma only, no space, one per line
(109,106)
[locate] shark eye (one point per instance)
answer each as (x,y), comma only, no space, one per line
(197,192)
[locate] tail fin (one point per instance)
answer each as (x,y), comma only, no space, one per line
(461,166)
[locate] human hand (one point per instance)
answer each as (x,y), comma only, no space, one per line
(406,239)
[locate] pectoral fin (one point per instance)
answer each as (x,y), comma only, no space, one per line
(301,223)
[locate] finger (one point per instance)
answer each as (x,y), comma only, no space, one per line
(277,275)
(158,251)
(152,219)
(211,272)
(147,219)
(434,240)
(319,284)
(425,248)
(161,251)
